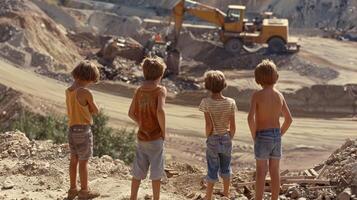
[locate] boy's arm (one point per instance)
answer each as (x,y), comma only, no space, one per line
(161,111)
(287,118)
(85,98)
(131,112)
(251,116)
(93,107)
(209,125)
(232,126)
(232,122)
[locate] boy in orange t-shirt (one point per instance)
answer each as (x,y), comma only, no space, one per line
(147,110)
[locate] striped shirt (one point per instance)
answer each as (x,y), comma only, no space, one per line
(220,112)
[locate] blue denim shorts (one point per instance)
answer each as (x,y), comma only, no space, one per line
(268,144)
(218,155)
(149,154)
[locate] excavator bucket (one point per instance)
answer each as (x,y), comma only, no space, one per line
(173,62)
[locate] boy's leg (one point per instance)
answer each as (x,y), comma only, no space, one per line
(275,178)
(73,164)
(135,184)
(225,171)
(156,189)
(83,174)
(261,170)
(157,162)
(212,171)
(140,168)
(209,191)
(226,183)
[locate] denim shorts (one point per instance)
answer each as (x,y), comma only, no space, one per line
(80,139)
(218,155)
(149,154)
(268,144)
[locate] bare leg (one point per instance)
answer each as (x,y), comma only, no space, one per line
(261,171)
(73,171)
(275,178)
(134,188)
(226,183)
(83,174)
(209,190)
(156,189)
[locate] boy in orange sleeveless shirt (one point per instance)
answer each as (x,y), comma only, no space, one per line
(80,108)
(147,110)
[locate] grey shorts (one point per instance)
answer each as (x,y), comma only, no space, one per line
(80,139)
(268,144)
(149,154)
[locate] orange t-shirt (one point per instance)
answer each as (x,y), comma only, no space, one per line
(146,102)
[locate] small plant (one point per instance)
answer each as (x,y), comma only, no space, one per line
(40,127)
(117,143)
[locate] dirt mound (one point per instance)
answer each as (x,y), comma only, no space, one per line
(9,105)
(38,170)
(58,14)
(27,31)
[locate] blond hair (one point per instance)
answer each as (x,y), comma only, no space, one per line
(86,71)
(266,73)
(215,81)
(153,68)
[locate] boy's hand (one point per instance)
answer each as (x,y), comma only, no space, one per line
(163,135)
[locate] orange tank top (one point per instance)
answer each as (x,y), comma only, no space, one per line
(146,102)
(77,113)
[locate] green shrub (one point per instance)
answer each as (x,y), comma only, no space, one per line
(40,127)
(117,143)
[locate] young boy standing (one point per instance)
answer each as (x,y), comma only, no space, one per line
(267,105)
(80,108)
(147,110)
(219,112)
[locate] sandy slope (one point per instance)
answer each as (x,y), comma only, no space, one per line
(318,135)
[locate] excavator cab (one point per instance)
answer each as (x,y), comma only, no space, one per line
(234,20)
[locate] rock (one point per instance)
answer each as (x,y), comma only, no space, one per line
(345,195)
(8,184)
(294,193)
(106,158)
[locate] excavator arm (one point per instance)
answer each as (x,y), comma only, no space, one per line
(199,10)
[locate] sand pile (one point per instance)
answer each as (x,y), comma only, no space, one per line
(38,170)
(40,167)
(31,38)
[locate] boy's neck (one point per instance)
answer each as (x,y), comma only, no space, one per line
(217,95)
(268,86)
(151,83)
(80,83)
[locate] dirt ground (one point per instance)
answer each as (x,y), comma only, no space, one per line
(314,137)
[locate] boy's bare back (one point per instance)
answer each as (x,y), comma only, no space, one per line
(269,103)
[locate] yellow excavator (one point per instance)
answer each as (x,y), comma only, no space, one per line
(235,30)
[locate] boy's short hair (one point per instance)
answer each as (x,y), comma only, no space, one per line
(266,73)
(86,71)
(215,81)
(153,68)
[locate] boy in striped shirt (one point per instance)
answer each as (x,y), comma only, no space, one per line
(219,112)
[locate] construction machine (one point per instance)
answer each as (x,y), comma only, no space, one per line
(236,32)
